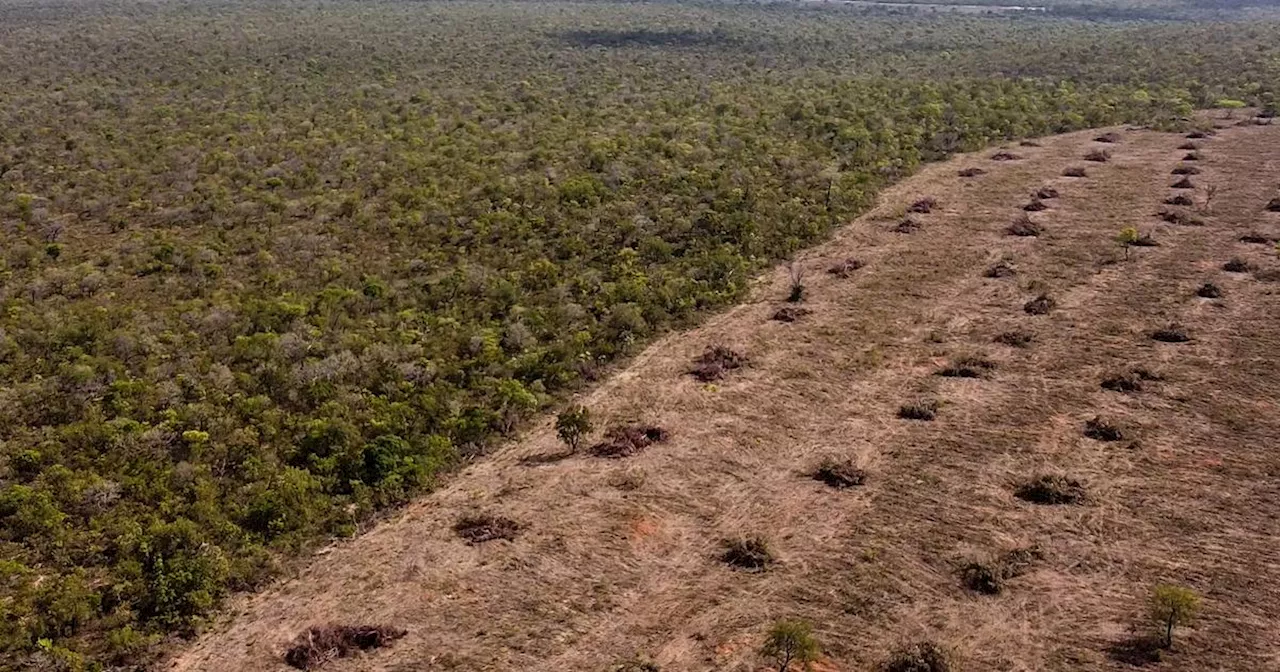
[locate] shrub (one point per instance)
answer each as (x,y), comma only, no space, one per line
(1179,218)
(845,268)
(1192,156)
(919,410)
(989,577)
(1185,170)
(1184,183)
(972,172)
(1108,137)
(751,553)
(1036,205)
(1189,146)
(1098,156)
(790,642)
(1174,333)
(1128,381)
(1100,429)
(918,657)
(1024,226)
(628,440)
(1179,199)
(1005,156)
(1209,291)
(483,527)
(908,225)
(321,644)
(839,473)
(1016,339)
(1170,607)
(924,205)
(1051,489)
(572,424)
(1001,269)
(1236,265)
(1046,193)
(1041,305)
(1075,171)
(715,361)
(795,280)
(968,367)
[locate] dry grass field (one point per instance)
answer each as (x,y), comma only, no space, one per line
(619,558)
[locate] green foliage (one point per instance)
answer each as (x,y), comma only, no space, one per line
(256,287)
(572,425)
(1171,606)
(790,642)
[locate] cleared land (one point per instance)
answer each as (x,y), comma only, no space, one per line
(616,557)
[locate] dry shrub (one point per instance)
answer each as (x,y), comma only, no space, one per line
(968,367)
(1035,205)
(477,528)
(907,225)
(1174,333)
(845,268)
(790,313)
(1023,226)
(1016,339)
(1185,170)
(1098,156)
(1051,489)
(1041,305)
(924,205)
(972,172)
(1001,269)
(925,409)
(918,657)
(1198,135)
(839,473)
(1189,145)
(1046,192)
(1108,137)
(1192,156)
(1075,171)
(1273,205)
(1255,238)
(989,577)
(1209,291)
(715,362)
(1237,265)
(751,553)
(1180,218)
(1184,183)
(1100,429)
(1005,156)
(628,440)
(1128,381)
(321,644)
(1179,199)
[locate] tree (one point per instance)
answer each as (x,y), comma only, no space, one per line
(572,425)
(1127,237)
(1171,606)
(790,642)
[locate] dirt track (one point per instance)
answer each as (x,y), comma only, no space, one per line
(618,557)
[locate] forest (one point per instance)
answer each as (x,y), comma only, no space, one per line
(268,270)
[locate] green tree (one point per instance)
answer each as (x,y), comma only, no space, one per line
(1127,237)
(572,424)
(790,641)
(1171,606)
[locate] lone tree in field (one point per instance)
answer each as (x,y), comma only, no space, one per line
(1171,606)
(1127,237)
(790,642)
(572,425)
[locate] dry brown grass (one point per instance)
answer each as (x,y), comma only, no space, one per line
(601,572)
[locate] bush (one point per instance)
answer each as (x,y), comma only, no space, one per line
(572,424)
(1237,265)
(1170,607)
(1099,429)
(1051,489)
(1110,137)
(1036,205)
(790,642)
(715,361)
(751,553)
(839,473)
(989,577)
(1075,171)
(483,527)
(1209,291)
(1041,305)
(1098,156)
(845,268)
(321,644)
(628,440)
(918,657)
(968,367)
(1016,339)
(1174,333)
(924,205)
(1184,183)
(919,410)
(1023,226)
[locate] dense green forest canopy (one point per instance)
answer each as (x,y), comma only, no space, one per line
(267,269)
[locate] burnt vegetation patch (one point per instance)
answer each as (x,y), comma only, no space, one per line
(1192,156)
(924,409)
(1015,339)
(750,553)
(627,440)
(971,172)
(1041,305)
(1005,156)
(1035,205)
(478,528)
(1001,269)
(318,645)
(989,577)
(1185,170)
(790,313)
(1184,183)
(908,225)
(1023,226)
(1173,333)
(924,205)
(968,367)
(1180,218)
(1237,265)
(1198,135)
(1111,137)
(839,474)
(1102,429)
(1189,146)
(1255,238)
(1098,156)
(1131,380)
(715,362)
(1075,171)
(1209,291)
(1179,199)
(1051,489)
(1046,193)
